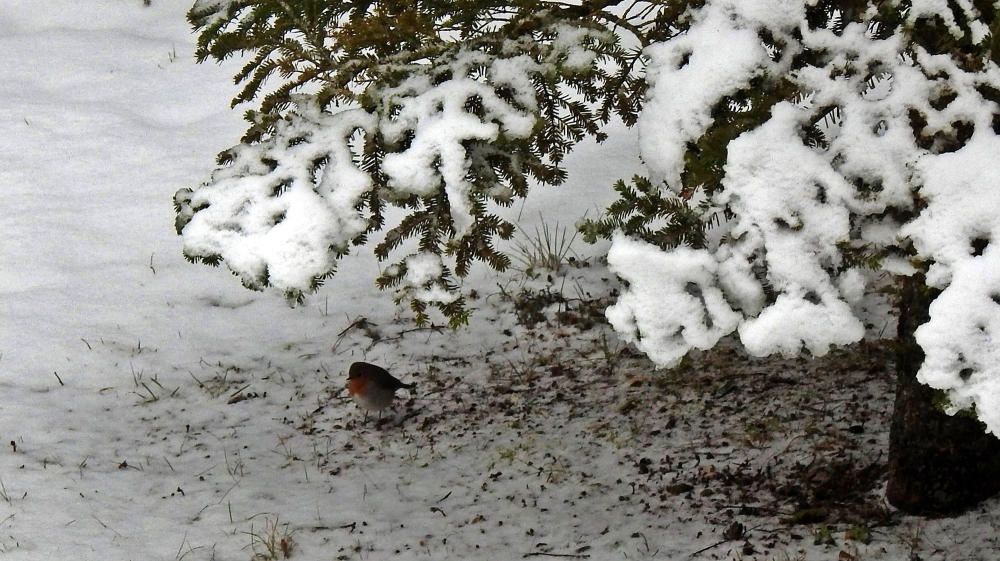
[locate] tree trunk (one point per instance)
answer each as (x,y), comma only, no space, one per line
(938,464)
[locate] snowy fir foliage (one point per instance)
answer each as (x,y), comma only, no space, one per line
(445,110)
(802,156)
(838,145)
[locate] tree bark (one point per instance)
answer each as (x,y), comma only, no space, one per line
(938,464)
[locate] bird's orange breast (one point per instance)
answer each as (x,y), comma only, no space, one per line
(356,386)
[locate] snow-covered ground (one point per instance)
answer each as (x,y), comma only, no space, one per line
(154,409)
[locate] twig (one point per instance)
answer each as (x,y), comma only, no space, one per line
(768,509)
(360,322)
(706,548)
(105,526)
(226,494)
(399,336)
(442,389)
(717,544)
(234,397)
(181,547)
(153,396)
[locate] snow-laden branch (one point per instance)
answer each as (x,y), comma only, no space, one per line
(956,231)
(441,124)
(875,158)
(439,137)
(719,56)
(278,212)
(682,281)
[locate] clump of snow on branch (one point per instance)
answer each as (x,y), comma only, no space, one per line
(437,115)
(569,50)
(273,213)
(685,278)
(423,279)
(798,229)
(960,339)
(930,8)
(718,56)
(779,275)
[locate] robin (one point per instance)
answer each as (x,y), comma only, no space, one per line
(372,387)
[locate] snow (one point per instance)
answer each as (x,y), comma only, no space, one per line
(717,57)
(286,241)
(797,215)
(666,326)
(797,204)
(441,126)
(422,270)
(158,410)
(964,324)
(940,8)
(568,47)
